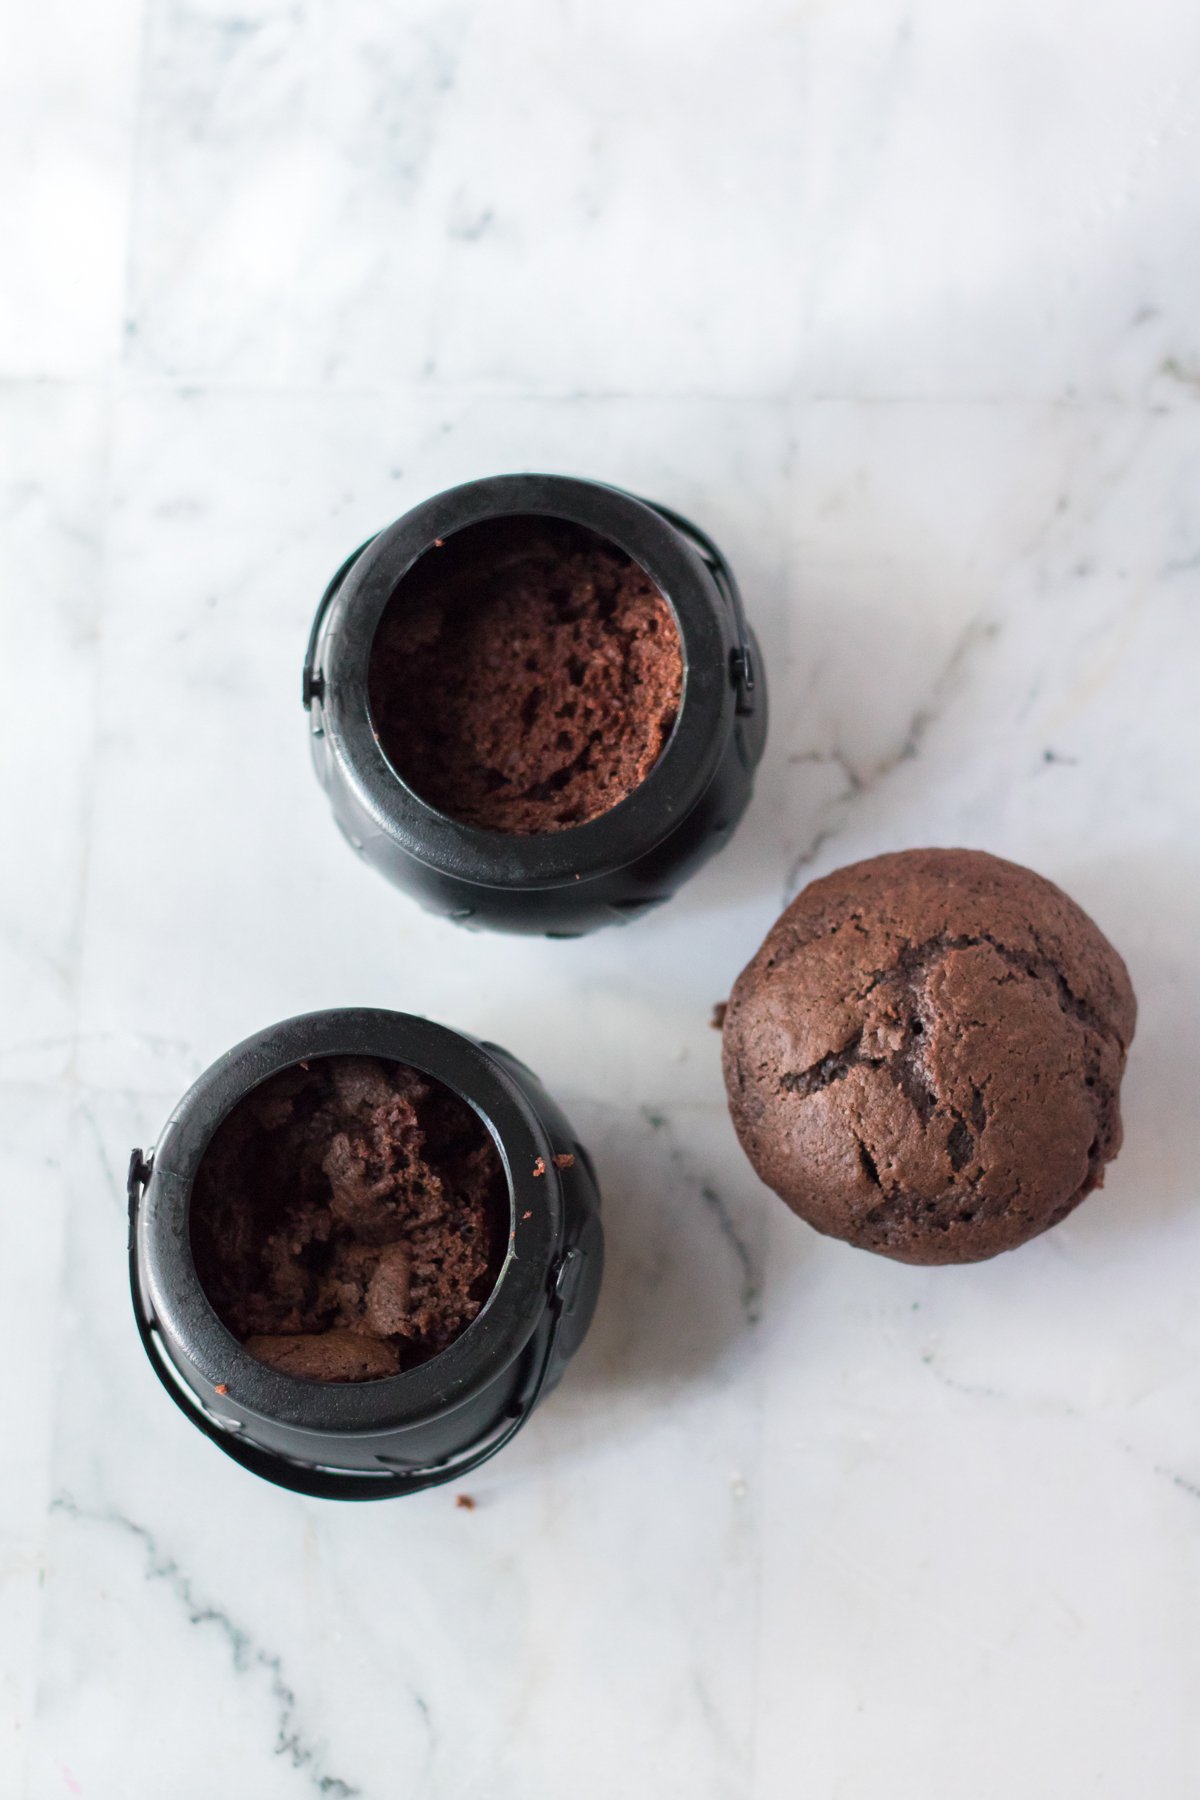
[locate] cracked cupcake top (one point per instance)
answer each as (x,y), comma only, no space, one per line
(925,1056)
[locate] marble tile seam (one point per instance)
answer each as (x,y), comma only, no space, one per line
(122,384)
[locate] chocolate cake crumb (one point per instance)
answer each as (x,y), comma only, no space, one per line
(465,1502)
(527,678)
(564,1160)
(348,1219)
(925,1056)
(717,1021)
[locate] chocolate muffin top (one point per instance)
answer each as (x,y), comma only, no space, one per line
(925,1056)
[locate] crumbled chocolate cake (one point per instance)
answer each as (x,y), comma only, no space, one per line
(925,1056)
(349,1219)
(525,676)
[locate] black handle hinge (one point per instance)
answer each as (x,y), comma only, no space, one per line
(140,1169)
(741,673)
(313,686)
(741,661)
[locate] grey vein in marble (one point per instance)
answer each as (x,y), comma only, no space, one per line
(748,1261)
(863,781)
(247,1656)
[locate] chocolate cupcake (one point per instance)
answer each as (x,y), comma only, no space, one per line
(925,1056)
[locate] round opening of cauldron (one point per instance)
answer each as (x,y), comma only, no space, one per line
(349,1218)
(526,675)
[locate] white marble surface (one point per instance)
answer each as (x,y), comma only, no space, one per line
(901,300)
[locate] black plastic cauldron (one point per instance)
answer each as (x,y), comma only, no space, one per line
(611,868)
(433,1423)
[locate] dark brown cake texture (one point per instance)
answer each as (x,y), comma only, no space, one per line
(525,676)
(925,1056)
(349,1219)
